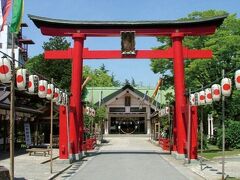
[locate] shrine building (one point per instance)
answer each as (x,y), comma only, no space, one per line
(129,109)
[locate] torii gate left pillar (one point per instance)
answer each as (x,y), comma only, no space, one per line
(76,111)
(75,116)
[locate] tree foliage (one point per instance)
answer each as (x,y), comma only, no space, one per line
(226,49)
(59,70)
(225,46)
(99,77)
(232,135)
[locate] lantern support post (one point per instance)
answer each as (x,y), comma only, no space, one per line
(68,136)
(201,131)
(223,131)
(189,128)
(12,113)
(51,133)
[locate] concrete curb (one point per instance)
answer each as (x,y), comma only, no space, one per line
(60,172)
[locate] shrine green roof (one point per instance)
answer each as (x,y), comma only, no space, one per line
(94,93)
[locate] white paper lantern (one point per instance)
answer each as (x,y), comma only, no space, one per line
(33,84)
(5,70)
(208,96)
(60,98)
(42,88)
(21,81)
(196,98)
(167,110)
(201,98)
(237,79)
(93,113)
(216,92)
(90,112)
(226,86)
(192,99)
(63,99)
(56,95)
(66,99)
(50,91)
(87,110)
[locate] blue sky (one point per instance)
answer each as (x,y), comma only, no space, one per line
(118,10)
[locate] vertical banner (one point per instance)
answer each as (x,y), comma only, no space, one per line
(5,8)
(17,14)
(27,134)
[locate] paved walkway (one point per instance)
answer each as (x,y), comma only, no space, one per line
(123,158)
(212,169)
(131,158)
(34,167)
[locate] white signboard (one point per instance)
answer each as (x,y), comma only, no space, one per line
(27,134)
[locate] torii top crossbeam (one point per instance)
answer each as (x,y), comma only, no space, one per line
(59,27)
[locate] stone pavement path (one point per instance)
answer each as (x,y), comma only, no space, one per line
(130,158)
(212,169)
(33,168)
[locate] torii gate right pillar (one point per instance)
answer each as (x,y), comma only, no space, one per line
(179,82)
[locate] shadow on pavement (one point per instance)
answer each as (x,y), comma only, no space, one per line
(90,154)
(5,155)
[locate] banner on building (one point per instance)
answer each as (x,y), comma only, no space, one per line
(27,134)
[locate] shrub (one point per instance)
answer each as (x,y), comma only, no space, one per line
(232,135)
(205,145)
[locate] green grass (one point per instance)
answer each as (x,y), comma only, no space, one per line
(215,152)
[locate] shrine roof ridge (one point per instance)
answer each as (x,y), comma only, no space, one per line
(40,21)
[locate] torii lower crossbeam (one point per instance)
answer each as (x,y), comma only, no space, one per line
(140,54)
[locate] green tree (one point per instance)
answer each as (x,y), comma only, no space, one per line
(226,50)
(225,46)
(59,70)
(115,82)
(133,83)
(126,82)
(103,68)
(99,77)
(232,135)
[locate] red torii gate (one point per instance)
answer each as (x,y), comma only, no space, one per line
(80,30)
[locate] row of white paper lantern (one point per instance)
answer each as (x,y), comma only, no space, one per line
(90,112)
(163,112)
(31,83)
(214,93)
